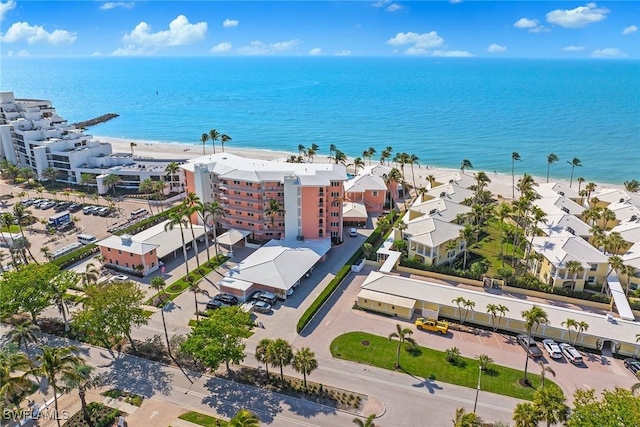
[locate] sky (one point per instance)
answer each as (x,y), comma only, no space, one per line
(456,28)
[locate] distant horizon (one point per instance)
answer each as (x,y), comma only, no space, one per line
(374,28)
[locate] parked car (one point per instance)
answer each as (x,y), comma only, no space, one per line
(46,205)
(66,227)
(633,365)
(433,325)
(268,297)
(552,348)
(214,304)
(88,209)
(36,203)
(27,202)
(119,278)
(226,299)
(103,211)
(62,206)
(74,207)
(353,232)
(571,353)
(262,307)
(529,345)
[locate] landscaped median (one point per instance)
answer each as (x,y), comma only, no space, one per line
(431,364)
(180,285)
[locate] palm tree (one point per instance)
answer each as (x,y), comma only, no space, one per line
(549,404)
(46,251)
(59,286)
(280,355)
(147,186)
(214,135)
(615,263)
(468,305)
(551,159)
(332,149)
(275,209)
(301,149)
(176,218)
(570,324)
(262,353)
(502,212)
(466,419)
(385,155)
(515,156)
(171,170)
(21,214)
(210,211)
(590,188)
(526,415)
(368,422)
(580,181)
(532,319)
(87,178)
(50,174)
(574,162)
(244,418)
(111,181)
(131,145)
(537,216)
(158,284)
(465,164)
(574,267)
(370,152)
(12,361)
(190,203)
(484,361)
(607,215)
(526,183)
(23,333)
(358,163)
(582,327)
(543,371)
(203,139)
(54,362)
(82,378)
(630,271)
(459,301)
(466,233)
(402,335)
(91,275)
(195,288)
(340,158)
(632,186)
(311,153)
(224,138)
(392,179)
(304,362)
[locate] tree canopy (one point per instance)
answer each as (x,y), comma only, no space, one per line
(27,289)
(218,338)
(619,407)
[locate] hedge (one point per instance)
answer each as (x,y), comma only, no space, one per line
(527,281)
(147,222)
(442,269)
(323,297)
(75,256)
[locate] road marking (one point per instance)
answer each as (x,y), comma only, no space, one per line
(153,414)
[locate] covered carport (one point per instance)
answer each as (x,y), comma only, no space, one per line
(354,214)
(232,237)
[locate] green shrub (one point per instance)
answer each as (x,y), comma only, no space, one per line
(323,297)
(75,256)
(442,269)
(147,222)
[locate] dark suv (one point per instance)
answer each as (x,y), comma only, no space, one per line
(214,304)
(226,299)
(530,346)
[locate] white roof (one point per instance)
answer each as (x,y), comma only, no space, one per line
(441,209)
(152,238)
(630,231)
(365,182)
(239,284)
(422,290)
(230,166)
(561,222)
(452,192)
(561,248)
(463,180)
(632,256)
(377,169)
(431,231)
(616,195)
(387,298)
(232,236)
(279,263)
(625,211)
(558,204)
(354,210)
(552,189)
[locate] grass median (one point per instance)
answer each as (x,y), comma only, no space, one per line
(430,364)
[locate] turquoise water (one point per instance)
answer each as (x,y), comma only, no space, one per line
(440,110)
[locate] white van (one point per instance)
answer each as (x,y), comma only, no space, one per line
(139,213)
(571,353)
(86,239)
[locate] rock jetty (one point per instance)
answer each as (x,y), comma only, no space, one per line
(96,121)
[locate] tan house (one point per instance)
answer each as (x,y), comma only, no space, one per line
(428,240)
(608,196)
(552,253)
(460,179)
(441,209)
(631,258)
(452,192)
(559,204)
(630,232)
(560,223)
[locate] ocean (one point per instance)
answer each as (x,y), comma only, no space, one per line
(442,110)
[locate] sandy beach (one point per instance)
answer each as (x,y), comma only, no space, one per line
(500,183)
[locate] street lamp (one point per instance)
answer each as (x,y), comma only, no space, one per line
(475,404)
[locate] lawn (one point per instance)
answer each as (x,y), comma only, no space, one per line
(431,364)
(202,419)
(489,247)
(11,229)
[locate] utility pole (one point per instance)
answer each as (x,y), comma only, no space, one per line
(475,404)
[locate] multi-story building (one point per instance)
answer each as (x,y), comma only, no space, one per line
(33,135)
(272,200)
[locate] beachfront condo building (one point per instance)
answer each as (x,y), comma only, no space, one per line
(33,135)
(270,199)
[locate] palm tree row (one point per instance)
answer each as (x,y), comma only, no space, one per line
(214,136)
(278,353)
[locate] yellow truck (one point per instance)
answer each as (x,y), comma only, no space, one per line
(432,325)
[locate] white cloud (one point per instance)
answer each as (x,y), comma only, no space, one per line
(315,51)
(394,7)
(257,47)
(526,23)
(610,52)
(113,4)
(230,23)
(36,34)
(496,48)
(455,1)
(180,33)
(578,17)
(539,29)
(388,5)
(345,52)
(416,51)
(422,41)
(6,7)
(453,53)
(573,48)
(96,53)
(131,50)
(221,47)
(630,30)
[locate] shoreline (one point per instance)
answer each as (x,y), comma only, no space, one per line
(500,182)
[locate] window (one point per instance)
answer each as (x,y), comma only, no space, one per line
(238,222)
(320,232)
(571,230)
(127,265)
(117,263)
(108,249)
(374,193)
(153,264)
(335,214)
(563,209)
(250,194)
(119,251)
(236,182)
(335,184)
(335,194)
(236,192)
(591,279)
(334,224)
(130,254)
